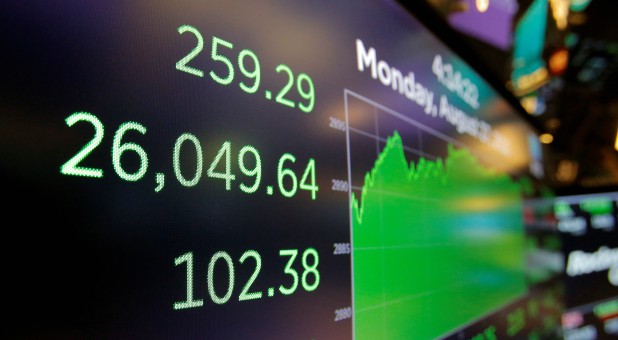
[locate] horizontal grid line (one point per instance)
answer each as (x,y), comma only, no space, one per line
(396,194)
(383,140)
(414,246)
(418,295)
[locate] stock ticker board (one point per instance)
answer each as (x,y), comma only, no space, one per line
(297,170)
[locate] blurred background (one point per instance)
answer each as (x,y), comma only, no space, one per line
(559,58)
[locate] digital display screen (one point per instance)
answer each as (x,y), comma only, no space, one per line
(305,170)
(589,233)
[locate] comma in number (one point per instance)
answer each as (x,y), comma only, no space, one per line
(160,178)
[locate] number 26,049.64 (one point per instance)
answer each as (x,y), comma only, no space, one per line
(248,159)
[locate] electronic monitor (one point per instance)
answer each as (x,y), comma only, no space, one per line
(259,169)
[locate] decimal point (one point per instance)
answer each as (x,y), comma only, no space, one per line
(269,190)
(268,95)
(271,292)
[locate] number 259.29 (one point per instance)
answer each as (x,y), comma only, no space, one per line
(247,62)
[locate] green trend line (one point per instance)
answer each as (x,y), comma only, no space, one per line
(436,245)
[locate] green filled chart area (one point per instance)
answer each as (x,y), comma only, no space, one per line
(438,237)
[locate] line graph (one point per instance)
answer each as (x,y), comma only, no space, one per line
(437,237)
